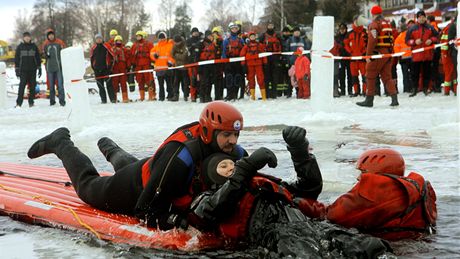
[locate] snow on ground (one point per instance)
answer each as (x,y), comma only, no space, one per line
(425,129)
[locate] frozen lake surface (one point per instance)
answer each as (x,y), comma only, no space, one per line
(424,129)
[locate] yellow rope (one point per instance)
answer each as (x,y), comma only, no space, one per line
(50,203)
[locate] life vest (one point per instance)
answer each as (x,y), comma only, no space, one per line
(236,226)
(272,43)
(208,51)
(420,215)
(234,47)
(385,35)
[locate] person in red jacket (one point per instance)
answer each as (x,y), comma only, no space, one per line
(384,202)
(254,65)
(418,36)
(450,73)
(101,56)
(207,73)
(302,74)
(122,59)
(140,53)
(380,41)
(355,44)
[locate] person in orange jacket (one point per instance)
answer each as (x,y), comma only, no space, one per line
(113,33)
(160,54)
(450,73)
(121,59)
(384,202)
(355,44)
(302,74)
(140,54)
(406,59)
(254,65)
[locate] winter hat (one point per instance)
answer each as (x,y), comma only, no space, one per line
(296,28)
(376,9)
(299,51)
(343,25)
(49,31)
(194,29)
(161,35)
(286,29)
(178,38)
(26,34)
(98,35)
(207,33)
(420,13)
(209,169)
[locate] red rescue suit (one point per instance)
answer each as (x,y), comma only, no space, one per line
(122,60)
(302,74)
(254,63)
(380,41)
(355,44)
(450,73)
(387,206)
(140,53)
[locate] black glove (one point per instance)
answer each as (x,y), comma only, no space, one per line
(295,136)
(178,221)
(39,72)
(305,78)
(170,64)
(257,160)
(18,72)
(155,55)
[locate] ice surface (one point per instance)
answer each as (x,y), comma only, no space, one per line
(322,69)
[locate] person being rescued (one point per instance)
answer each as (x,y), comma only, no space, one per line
(302,74)
(158,189)
(249,207)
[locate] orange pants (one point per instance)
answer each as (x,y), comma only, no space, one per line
(254,71)
(144,78)
(304,88)
(119,81)
(357,67)
(380,67)
(450,74)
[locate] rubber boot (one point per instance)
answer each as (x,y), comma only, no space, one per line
(368,102)
(49,143)
(356,90)
(394,100)
(446,89)
(114,154)
(253,94)
(142,94)
(263,92)
(124,96)
(414,92)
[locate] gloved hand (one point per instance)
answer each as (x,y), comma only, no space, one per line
(257,160)
(152,65)
(294,136)
(178,221)
(170,64)
(305,78)
(39,72)
(18,72)
(133,68)
(155,55)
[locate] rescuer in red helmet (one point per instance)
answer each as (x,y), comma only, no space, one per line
(158,189)
(384,202)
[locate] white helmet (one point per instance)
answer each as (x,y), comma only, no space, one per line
(232,25)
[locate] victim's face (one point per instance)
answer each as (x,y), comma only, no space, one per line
(225,168)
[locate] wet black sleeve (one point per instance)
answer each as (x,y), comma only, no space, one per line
(309,183)
(169,179)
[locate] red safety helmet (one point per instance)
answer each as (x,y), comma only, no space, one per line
(219,116)
(381,161)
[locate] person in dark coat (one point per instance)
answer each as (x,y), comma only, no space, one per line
(102,63)
(27,62)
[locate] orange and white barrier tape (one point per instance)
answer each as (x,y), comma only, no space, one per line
(267,54)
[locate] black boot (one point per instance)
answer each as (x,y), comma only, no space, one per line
(368,102)
(114,154)
(49,143)
(394,100)
(414,93)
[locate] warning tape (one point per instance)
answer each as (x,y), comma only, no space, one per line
(267,54)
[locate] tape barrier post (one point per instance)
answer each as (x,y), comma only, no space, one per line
(73,68)
(2,85)
(322,69)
